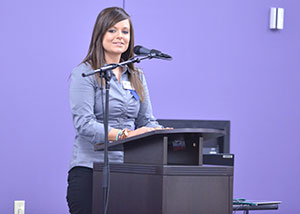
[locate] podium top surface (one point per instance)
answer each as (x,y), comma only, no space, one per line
(201,132)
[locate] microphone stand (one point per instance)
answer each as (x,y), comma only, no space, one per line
(106,72)
(106,170)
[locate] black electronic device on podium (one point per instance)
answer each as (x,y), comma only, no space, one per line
(163,173)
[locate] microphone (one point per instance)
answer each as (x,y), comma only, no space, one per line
(140,50)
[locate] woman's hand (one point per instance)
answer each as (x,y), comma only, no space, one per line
(143,130)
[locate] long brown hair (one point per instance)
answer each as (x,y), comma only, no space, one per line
(106,19)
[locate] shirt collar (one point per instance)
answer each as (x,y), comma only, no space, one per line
(125,69)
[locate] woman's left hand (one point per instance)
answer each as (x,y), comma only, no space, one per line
(143,130)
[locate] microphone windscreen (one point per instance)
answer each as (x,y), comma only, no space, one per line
(136,49)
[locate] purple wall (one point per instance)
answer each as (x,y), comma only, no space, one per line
(227,65)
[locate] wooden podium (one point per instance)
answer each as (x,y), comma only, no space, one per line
(163,173)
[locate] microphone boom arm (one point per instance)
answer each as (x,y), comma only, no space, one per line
(135,59)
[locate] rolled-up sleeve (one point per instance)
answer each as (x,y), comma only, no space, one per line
(82,100)
(145,115)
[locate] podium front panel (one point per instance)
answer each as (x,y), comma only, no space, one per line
(164,189)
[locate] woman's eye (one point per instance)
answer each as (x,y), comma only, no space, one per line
(125,31)
(111,31)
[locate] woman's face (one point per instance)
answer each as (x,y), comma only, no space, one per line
(117,38)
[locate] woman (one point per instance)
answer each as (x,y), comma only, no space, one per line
(130,111)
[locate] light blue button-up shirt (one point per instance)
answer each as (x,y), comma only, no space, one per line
(125,111)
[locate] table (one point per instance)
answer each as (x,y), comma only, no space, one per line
(246,208)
